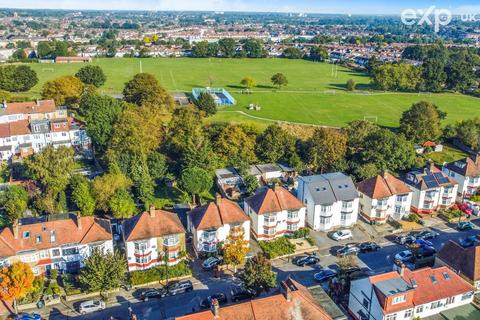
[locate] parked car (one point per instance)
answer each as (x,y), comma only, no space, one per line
(91,306)
(324,275)
(427,251)
(241,293)
(405,239)
(466,208)
(465,225)
(427,234)
(28,316)
(207,302)
(342,235)
(423,243)
(469,241)
(346,250)
(368,247)
(153,293)
(180,287)
(351,269)
(211,263)
(305,260)
(404,256)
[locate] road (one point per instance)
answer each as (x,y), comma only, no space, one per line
(205,284)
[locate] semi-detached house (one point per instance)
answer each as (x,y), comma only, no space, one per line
(467,174)
(331,200)
(153,238)
(60,241)
(274,212)
(408,294)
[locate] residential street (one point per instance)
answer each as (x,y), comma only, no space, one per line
(205,284)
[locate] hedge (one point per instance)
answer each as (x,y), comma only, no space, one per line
(158,273)
(278,247)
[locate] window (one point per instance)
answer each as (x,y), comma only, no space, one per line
(467,296)
(381,202)
(292,215)
(56,252)
(143,259)
(269,219)
(269,231)
(209,235)
(70,251)
(399,209)
(435,305)
(38,239)
(324,220)
(408,314)
(345,216)
(209,247)
(419,309)
(325,209)
(26,234)
(391,317)
(141,246)
(398,299)
(449,300)
(57,125)
(43,254)
(347,205)
(53,236)
(402,198)
(64,134)
(292,227)
(365,303)
(173,255)
(171,240)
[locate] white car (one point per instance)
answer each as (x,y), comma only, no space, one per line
(91,306)
(211,262)
(404,256)
(342,235)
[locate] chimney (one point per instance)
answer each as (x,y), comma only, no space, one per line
(5,104)
(38,102)
(218,199)
(216,308)
(286,290)
(79,220)
(151,212)
(402,270)
(274,186)
(15,229)
(477,159)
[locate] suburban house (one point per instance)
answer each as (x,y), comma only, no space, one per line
(293,301)
(382,197)
(331,200)
(274,212)
(153,238)
(467,174)
(464,261)
(432,189)
(60,241)
(28,127)
(407,294)
(229,182)
(213,223)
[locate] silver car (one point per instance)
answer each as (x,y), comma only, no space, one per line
(91,306)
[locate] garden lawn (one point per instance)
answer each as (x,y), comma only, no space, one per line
(315,93)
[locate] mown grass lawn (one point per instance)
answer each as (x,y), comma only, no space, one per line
(315,93)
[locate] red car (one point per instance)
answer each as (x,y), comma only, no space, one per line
(465,207)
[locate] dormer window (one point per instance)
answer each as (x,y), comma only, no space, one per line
(26,234)
(38,239)
(398,299)
(53,236)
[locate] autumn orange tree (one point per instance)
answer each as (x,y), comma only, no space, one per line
(234,251)
(15,282)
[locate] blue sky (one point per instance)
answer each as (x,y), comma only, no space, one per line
(306,6)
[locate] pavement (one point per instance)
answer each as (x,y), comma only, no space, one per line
(205,284)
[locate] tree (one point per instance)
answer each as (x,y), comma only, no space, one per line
(82,195)
(258,275)
(105,186)
(325,148)
(14,200)
(200,50)
(422,122)
(103,271)
(388,151)
(91,74)
(157,165)
(19,55)
(100,112)
(45,49)
(121,204)
(399,77)
(195,181)
(235,146)
(275,144)
(460,71)
(65,90)
(144,90)
(292,53)
(318,53)
(235,250)
(248,82)
(254,48)
(251,183)
(357,132)
(52,169)
(15,282)
(351,85)
(434,75)
(279,80)
(17,78)
(206,103)
(227,47)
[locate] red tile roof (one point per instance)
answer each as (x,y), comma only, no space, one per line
(216,214)
(67,231)
(301,305)
(20,127)
(40,106)
(428,291)
(271,201)
(382,186)
(153,224)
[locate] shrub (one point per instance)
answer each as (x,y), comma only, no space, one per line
(301,233)
(451,214)
(34,294)
(413,217)
(158,273)
(70,284)
(278,247)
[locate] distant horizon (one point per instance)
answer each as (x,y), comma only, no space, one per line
(353,7)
